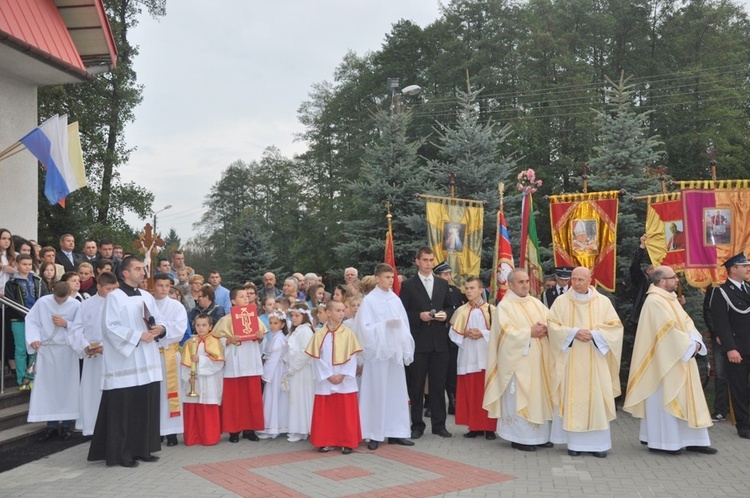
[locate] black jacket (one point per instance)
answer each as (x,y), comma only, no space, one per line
(640,284)
(433,335)
(17,292)
(733,328)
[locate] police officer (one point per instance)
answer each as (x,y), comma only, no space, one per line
(562,278)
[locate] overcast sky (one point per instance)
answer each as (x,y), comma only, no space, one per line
(223,81)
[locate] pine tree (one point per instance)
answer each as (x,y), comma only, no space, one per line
(391,173)
(472,150)
(252,254)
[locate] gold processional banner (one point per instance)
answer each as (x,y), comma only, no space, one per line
(454,231)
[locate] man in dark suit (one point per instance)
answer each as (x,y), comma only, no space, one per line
(730,315)
(65,255)
(425,299)
(562,279)
(456,300)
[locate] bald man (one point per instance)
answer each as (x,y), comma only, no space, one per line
(585,336)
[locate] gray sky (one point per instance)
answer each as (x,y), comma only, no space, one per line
(223,81)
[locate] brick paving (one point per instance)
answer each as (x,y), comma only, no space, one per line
(454,467)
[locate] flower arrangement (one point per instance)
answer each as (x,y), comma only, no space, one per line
(527,181)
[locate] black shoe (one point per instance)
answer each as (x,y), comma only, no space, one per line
(326,449)
(666,452)
(472,434)
(574,453)
(644,443)
(523,447)
(548,444)
(346,451)
(172,440)
(234,437)
(129,464)
(599,454)
(372,445)
(400,441)
(706,450)
(718,417)
(744,433)
(251,435)
(149,458)
(442,433)
(417,433)
(489,435)
(48,434)
(65,433)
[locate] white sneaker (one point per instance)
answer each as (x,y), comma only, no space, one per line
(293,438)
(263,435)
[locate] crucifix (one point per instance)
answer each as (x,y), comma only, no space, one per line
(148,244)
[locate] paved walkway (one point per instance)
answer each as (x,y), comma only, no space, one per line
(434,467)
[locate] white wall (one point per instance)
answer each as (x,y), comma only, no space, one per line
(18,174)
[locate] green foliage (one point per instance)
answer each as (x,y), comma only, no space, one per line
(253,253)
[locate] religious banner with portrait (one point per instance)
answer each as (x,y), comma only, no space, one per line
(584,233)
(665,232)
(454,232)
(717,226)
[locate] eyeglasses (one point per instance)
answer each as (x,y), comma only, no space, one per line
(669,278)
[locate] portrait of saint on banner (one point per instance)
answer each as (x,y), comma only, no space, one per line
(454,235)
(675,234)
(717,226)
(585,235)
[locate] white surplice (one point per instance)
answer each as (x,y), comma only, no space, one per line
(209,379)
(325,368)
(175,321)
(276,392)
(128,362)
(56,393)
(300,379)
(472,353)
(92,319)
(382,328)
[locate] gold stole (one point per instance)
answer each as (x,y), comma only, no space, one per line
(172,377)
(344,344)
(212,346)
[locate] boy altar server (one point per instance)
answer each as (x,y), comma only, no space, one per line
(382,328)
(92,318)
(53,332)
(470,330)
(175,320)
(335,420)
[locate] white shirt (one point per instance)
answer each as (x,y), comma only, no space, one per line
(428,283)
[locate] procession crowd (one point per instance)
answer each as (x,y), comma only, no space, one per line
(360,362)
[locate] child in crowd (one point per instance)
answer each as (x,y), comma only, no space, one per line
(335,420)
(74,282)
(103,265)
(300,378)
(351,305)
(242,405)
(320,316)
(201,413)
(275,393)
(92,319)
(48,274)
(268,305)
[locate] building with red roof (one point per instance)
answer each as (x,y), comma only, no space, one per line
(42,43)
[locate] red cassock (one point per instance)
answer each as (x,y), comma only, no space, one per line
(242,405)
(335,421)
(469,396)
(202,424)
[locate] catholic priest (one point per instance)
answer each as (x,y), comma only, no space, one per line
(585,337)
(664,387)
(517,387)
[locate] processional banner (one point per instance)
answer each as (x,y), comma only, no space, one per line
(584,233)
(717,226)
(665,231)
(454,231)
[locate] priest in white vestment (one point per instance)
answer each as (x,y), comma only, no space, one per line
(382,328)
(92,320)
(517,385)
(664,387)
(175,320)
(585,337)
(127,427)
(53,332)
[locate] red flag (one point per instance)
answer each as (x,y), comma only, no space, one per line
(390,259)
(503,263)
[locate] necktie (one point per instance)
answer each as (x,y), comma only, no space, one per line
(428,286)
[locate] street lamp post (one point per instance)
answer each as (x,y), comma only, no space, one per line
(168,206)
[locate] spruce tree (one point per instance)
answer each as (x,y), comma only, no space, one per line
(252,254)
(473,151)
(391,173)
